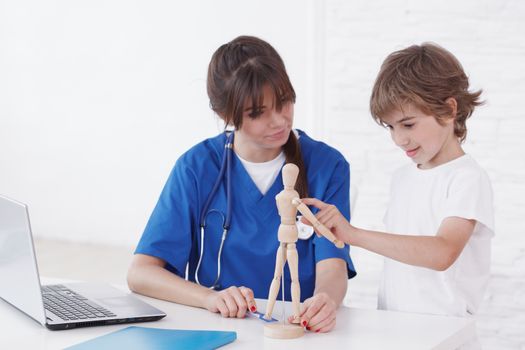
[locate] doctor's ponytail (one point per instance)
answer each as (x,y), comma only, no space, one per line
(292,152)
(238,72)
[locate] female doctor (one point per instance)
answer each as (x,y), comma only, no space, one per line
(180,257)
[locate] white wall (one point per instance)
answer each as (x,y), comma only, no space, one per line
(99,98)
(488,37)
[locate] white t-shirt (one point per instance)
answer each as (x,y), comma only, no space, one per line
(419,201)
(264,174)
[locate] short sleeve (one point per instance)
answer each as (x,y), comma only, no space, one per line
(386,215)
(337,193)
(470,196)
(168,233)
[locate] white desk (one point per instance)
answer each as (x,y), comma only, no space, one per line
(356,329)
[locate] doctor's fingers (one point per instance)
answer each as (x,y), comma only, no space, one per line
(240,304)
(222,308)
(231,305)
(322,319)
(317,309)
(326,326)
(248,296)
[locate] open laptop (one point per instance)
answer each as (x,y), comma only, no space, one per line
(61,306)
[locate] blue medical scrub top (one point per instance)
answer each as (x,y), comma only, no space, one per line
(248,258)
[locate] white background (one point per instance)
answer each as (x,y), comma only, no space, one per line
(99,98)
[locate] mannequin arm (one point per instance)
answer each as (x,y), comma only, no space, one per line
(320,228)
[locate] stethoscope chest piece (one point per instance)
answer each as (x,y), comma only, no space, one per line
(304,231)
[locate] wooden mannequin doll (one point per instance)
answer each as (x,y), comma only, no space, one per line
(287,236)
(288,203)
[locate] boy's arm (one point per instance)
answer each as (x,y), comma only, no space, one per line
(435,252)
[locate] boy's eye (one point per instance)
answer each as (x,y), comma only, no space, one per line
(408,126)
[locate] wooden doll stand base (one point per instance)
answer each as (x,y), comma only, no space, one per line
(283,331)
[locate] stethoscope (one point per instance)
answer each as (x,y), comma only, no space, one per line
(305,231)
(224,171)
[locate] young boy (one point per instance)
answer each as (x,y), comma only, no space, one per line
(440,216)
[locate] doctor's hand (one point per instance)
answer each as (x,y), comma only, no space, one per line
(332,218)
(231,302)
(318,313)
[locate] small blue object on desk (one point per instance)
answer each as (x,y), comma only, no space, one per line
(260,315)
(134,338)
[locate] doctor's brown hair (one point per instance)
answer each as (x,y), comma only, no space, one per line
(237,73)
(426,76)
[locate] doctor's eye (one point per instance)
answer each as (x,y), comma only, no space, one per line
(256,112)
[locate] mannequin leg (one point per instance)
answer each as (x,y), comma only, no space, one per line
(293,258)
(280,259)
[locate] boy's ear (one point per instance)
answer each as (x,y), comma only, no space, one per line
(453,104)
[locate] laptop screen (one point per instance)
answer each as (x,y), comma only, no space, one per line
(18,268)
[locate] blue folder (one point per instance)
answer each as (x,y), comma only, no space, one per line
(134,338)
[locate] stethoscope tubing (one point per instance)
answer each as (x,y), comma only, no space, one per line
(225,169)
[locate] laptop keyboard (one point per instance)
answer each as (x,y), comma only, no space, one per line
(69,305)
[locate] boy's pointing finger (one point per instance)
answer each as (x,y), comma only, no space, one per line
(315,202)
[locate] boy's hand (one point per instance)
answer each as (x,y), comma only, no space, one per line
(318,313)
(330,217)
(231,302)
